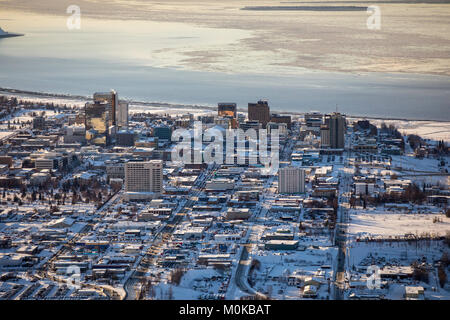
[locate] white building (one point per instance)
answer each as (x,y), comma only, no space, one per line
(144,177)
(291,180)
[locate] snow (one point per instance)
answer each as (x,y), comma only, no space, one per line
(382,224)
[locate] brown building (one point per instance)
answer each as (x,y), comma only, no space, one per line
(259,111)
(278,118)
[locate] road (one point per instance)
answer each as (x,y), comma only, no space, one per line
(240,277)
(341,239)
(134,284)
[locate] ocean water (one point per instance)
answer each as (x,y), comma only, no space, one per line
(144,61)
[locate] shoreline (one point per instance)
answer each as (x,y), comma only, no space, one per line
(37,94)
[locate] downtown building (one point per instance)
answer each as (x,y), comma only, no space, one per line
(103,117)
(97,119)
(227,109)
(259,111)
(333,131)
(118,110)
(291,180)
(143,179)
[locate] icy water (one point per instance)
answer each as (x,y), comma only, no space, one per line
(144,61)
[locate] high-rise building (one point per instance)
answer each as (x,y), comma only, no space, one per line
(118,109)
(122,115)
(227,110)
(112,100)
(144,176)
(97,119)
(291,180)
(324,136)
(336,124)
(259,111)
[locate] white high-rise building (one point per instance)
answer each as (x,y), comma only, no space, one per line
(291,180)
(144,177)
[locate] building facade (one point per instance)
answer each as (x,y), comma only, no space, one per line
(227,110)
(291,180)
(97,119)
(144,176)
(336,124)
(259,111)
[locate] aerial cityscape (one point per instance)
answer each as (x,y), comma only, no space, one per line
(220,180)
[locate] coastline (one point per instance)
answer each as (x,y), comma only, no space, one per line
(428,129)
(155,104)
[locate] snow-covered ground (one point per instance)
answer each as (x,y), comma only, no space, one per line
(433,130)
(383,224)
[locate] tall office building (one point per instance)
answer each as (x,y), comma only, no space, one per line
(122,115)
(324,136)
(291,180)
(144,176)
(227,110)
(259,111)
(112,100)
(336,125)
(118,110)
(96,122)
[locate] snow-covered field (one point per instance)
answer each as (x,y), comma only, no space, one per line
(433,130)
(381,224)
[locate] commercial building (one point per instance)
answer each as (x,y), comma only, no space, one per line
(125,138)
(336,124)
(219,184)
(259,111)
(281,245)
(143,178)
(278,118)
(313,119)
(227,110)
(362,188)
(122,115)
(291,180)
(97,119)
(118,110)
(325,136)
(111,99)
(162,132)
(75,134)
(255,125)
